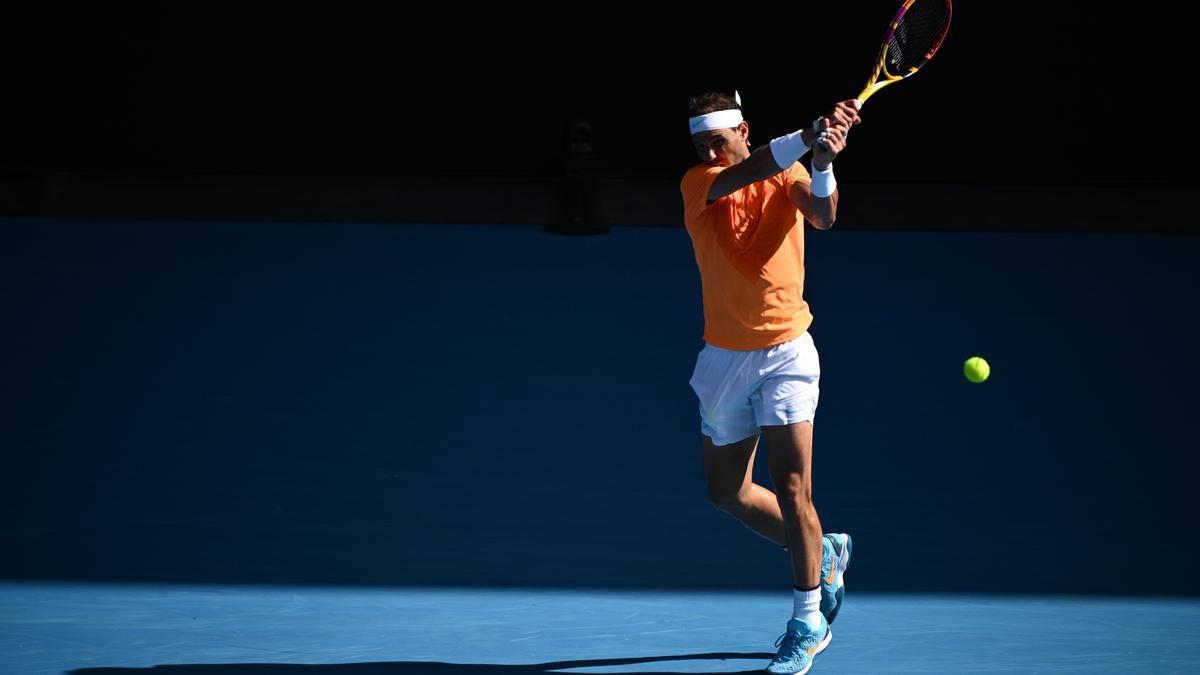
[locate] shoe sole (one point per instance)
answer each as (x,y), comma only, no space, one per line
(843,563)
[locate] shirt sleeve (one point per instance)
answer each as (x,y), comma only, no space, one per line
(797,174)
(695,186)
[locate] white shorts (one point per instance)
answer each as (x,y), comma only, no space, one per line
(741,391)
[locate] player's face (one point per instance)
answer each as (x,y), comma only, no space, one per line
(722,147)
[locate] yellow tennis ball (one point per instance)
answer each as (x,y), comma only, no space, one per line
(976,369)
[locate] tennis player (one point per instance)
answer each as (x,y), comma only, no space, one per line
(757,375)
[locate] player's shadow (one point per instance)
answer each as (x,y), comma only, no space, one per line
(431,667)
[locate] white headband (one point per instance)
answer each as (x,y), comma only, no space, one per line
(721,119)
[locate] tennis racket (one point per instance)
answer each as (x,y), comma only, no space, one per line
(912,38)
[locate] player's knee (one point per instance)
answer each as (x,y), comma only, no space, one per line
(729,501)
(795,490)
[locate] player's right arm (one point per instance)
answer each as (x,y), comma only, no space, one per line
(767,160)
(760,165)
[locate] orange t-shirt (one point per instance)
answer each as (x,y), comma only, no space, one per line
(750,250)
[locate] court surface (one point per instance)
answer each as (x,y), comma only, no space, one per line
(90,629)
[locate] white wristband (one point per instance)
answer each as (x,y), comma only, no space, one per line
(787,149)
(823,182)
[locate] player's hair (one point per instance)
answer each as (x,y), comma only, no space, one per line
(711,102)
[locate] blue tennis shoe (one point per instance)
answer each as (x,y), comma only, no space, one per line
(835,558)
(799,646)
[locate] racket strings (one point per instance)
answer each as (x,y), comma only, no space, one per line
(918,34)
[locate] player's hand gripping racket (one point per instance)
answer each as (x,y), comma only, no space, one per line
(912,38)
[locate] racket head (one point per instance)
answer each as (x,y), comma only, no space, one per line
(913,36)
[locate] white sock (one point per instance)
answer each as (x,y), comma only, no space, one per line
(806,606)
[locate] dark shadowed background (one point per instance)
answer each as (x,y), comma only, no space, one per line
(278,303)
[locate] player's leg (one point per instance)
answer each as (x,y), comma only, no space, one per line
(729,470)
(723,380)
(789,461)
(785,405)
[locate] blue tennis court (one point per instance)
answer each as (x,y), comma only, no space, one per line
(96,629)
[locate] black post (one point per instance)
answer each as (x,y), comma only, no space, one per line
(579,185)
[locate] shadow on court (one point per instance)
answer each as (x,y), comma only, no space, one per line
(430,667)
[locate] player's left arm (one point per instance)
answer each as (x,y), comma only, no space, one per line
(818,199)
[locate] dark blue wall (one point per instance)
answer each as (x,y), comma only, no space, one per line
(497,406)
